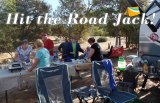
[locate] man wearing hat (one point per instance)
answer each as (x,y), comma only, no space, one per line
(48,44)
(23,52)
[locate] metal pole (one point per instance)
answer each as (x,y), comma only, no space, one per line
(6,95)
(145,81)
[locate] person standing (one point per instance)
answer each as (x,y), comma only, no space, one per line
(48,44)
(63,49)
(42,56)
(23,52)
(73,49)
(95,53)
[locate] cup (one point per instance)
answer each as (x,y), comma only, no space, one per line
(73,60)
(1,66)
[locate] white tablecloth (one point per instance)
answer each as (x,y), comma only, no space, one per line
(71,68)
(9,80)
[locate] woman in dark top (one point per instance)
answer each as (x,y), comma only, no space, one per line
(95,50)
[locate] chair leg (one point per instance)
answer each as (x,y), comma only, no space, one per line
(93,99)
(80,99)
(6,95)
(71,78)
(145,81)
(86,101)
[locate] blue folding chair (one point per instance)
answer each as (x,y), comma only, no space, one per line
(102,75)
(53,85)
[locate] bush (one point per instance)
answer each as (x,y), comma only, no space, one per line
(81,40)
(101,39)
(57,40)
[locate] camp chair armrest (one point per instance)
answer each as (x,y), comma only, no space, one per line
(126,84)
(106,90)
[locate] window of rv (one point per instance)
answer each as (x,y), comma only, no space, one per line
(154,8)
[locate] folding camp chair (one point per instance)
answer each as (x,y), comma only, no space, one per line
(53,85)
(85,90)
(102,75)
(116,52)
(153,70)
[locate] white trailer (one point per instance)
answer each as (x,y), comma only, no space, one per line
(149,40)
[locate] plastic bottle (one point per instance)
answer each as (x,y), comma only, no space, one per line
(121,64)
(56,55)
(145,67)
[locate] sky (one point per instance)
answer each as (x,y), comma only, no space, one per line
(55,3)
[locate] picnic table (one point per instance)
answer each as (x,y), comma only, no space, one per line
(74,68)
(9,80)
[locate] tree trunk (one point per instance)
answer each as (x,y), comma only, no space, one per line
(119,40)
(116,41)
(127,42)
(69,32)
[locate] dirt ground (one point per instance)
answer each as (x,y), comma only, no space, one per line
(28,95)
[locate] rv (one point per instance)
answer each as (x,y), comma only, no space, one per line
(149,40)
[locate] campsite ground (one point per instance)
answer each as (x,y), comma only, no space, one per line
(151,95)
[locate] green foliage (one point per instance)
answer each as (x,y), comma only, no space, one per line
(102,39)
(114,7)
(10,35)
(67,30)
(6,43)
(98,31)
(95,8)
(144,4)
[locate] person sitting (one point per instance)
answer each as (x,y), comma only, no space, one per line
(23,52)
(42,56)
(109,53)
(114,52)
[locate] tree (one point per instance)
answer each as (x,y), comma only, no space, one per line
(10,35)
(65,9)
(33,8)
(113,7)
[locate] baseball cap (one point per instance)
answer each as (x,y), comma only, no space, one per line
(25,41)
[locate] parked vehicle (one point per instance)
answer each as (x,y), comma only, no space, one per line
(149,40)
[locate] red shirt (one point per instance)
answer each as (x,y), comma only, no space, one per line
(48,44)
